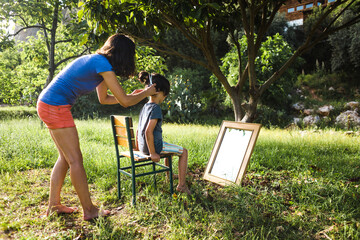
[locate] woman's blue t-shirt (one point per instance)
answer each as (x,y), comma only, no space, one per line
(79,77)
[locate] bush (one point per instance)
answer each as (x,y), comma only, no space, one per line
(7,113)
(340,84)
(181,104)
(270,117)
(192,98)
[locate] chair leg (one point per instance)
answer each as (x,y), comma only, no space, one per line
(171,176)
(118,181)
(133,190)
(133,183)
(153,166)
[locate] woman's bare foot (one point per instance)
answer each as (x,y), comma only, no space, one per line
(183,189)
(60,209)
(96,213)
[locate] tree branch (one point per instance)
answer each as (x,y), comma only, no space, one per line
(46,37)
(342,11)
(278,73)
(331,31)
(28,27)
(243,15)
(64,41)
(164,48)
(265,25)
(326,13)
(306,46)
(186,33)
(23,19)
(309,43)
(71,57)
(244,76)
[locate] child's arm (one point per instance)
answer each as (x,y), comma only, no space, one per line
(149,135)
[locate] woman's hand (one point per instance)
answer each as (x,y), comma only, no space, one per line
(155,157)
(125,100)
(151,90)
(137,91)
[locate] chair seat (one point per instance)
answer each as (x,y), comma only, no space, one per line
(138,156)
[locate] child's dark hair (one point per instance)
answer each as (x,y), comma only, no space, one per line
(162,84)
(120,51)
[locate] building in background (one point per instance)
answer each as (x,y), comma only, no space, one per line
(296,11)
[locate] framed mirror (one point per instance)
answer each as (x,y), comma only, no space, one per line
(231,153)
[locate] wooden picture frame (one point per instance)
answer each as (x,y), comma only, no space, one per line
(231,153)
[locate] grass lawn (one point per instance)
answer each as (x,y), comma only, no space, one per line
(299,185)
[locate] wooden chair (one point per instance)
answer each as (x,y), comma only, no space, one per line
(123,132)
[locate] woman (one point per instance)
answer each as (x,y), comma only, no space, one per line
(83,75)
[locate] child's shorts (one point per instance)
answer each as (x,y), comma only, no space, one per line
(168,147)
(55,116)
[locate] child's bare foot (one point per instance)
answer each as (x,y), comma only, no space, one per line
(60,209)
(183,189)
(96,213)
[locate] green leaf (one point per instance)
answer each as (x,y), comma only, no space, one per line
(80,3)
(213,5)
(84,39)
(80,14)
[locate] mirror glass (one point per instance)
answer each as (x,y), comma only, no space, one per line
(231,153)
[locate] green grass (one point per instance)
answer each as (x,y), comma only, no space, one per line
(299,185)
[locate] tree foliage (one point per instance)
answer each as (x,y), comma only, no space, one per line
(273,54)
(22,73)
(148,21)
(346,49)
(55,20)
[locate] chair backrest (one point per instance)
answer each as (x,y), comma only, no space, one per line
(123,131)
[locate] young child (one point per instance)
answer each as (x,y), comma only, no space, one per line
(149,132)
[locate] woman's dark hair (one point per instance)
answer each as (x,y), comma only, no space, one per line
(120,51)
(162,84)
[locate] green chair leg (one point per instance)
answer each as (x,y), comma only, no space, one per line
(171,176)
(133,185)
(119,184)
(153,166)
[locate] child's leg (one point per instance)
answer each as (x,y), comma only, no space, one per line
(183,161)
(175,176)
(182,166)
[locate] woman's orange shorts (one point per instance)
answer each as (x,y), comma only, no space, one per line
(55,116)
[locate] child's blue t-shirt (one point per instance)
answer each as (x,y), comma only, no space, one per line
(150,111)
(78,78)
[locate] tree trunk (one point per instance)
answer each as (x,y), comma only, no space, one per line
(50,76)
(250,114)
(238,111)
(237,101)
(51,49)
(251,107)
(244,111)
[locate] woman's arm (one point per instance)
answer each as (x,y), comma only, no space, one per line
(119,95)
(149,135)
(103,96)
